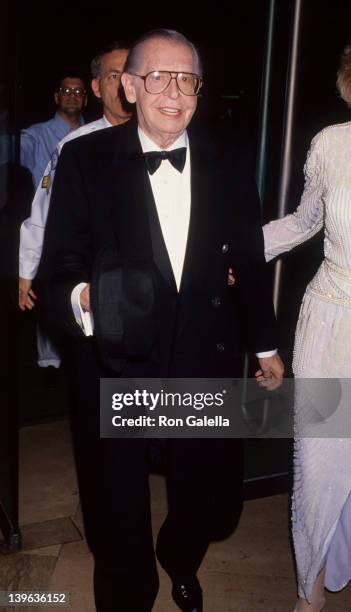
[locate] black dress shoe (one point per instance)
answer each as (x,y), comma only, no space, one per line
(187,594)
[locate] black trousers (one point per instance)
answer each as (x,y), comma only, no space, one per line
(204,485)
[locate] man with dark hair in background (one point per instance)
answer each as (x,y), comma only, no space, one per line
(106,69)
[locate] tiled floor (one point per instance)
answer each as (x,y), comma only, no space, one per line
(251,571)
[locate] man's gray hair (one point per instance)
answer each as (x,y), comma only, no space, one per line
(134,57)
(95,65)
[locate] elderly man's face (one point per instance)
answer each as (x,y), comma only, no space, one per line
(163,117)
(107,85)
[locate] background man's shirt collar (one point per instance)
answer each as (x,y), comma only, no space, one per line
(106,121)
(62,123)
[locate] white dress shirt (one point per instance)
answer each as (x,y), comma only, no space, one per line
(171,191)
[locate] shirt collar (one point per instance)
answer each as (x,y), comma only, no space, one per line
(106,121)
(148,145)
(63,123)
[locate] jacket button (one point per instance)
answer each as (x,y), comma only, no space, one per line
(225,248)
(220,347)
(216,302)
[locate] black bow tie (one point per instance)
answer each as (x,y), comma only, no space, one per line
(176,157)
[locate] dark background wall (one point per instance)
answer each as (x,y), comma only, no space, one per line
(65,40)
(41,42)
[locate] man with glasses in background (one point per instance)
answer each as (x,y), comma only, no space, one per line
(39,141)
(176,205)
(37,145)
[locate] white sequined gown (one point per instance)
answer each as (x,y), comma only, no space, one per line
(321,508)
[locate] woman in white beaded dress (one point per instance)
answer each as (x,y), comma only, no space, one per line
(321,507)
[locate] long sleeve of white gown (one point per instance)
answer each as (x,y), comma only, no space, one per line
(284,234)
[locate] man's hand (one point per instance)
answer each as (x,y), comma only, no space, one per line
(271,373)
(85,298)
(26,295)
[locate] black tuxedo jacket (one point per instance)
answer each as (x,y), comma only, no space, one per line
(102,197)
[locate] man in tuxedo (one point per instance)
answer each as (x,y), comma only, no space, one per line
(181,204)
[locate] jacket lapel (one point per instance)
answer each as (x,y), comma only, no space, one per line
(202,214)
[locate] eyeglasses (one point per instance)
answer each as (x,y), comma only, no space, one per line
(76,91)
(157,81)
